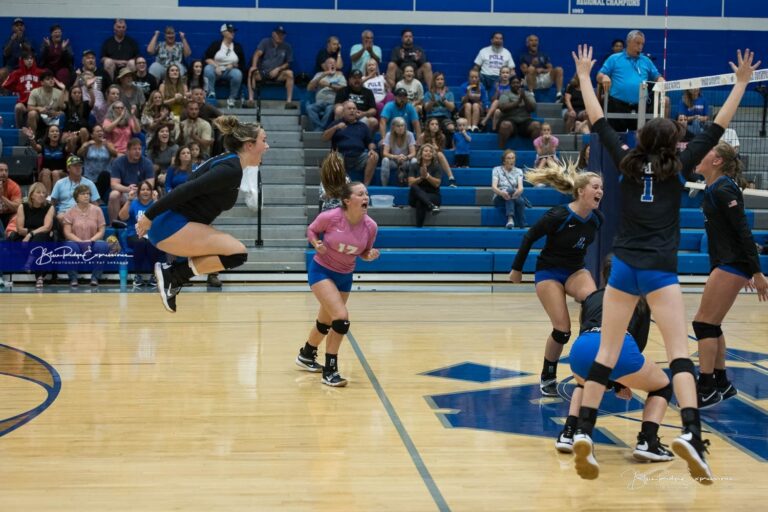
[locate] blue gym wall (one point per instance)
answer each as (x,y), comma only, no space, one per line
(703,35)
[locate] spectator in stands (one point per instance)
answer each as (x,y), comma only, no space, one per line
(377,83)
(120,50)
(195,129)
(96,155)
(77,114)
(435,136)
(130,94)
(538,70)
(365,51)
(474,102)
(413,87)
(617,46)
(100,112)
(225,60)
(408,53)
(127,172)
(582,164)
(546,146)
(439,104)
(45,104)
(144,253)
(98,76)
(174,90)
(694,110)
(399,108)
(327,83)
(161,150)
(516,106)
(353,140)
(56,55)
(198,157)
(207,111)
(502,86)
(361,96)
(63,193)
(93,82)
(731,138)
(17,45)
(34,221)
(574,113)
(120,125)
(507,185)
(195,77)
(272,62)
(170,51)
(143,79)
(22,82)
(424,178)
(490,60)
(10,196)
(84,225)
(398,152)
(461,143)
(153,116)
(180,169)
(53,155)
(332,50)
(621,76)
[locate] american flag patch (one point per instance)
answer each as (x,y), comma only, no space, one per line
(733,203)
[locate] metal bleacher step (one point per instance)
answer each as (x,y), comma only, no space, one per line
(261,259)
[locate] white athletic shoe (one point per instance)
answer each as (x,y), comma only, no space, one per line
(585,462)
(692,449)
(564,443)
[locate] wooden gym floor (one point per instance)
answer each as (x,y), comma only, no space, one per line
(107,402)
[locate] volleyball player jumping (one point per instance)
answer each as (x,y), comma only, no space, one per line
(560,266)
(645,259)
(179,223)
(734,264)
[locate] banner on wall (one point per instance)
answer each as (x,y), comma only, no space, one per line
(617,7)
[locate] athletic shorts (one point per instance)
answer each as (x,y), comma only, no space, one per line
(584,351)
(636,281)
(560,275)
(317,273)
(732,269)
(165,225)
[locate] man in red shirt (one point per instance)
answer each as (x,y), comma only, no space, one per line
(10,197)
(22,81)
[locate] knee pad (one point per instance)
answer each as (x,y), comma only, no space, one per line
(560,337)
(600,373)
(340,326)
(580,386)
(665,392)
(682,365)
(703,330)
(233,260)
(323,328)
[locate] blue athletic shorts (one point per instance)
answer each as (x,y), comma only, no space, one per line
(317,273)
(734,270)
(166,224)
(560,275)
(584,351)
(636,281)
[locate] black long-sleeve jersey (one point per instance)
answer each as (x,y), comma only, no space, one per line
(729,238)
(592,316)
(210,190)
(568,237)
(649,228)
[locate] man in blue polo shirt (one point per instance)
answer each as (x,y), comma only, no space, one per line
(621,77)
(352,138)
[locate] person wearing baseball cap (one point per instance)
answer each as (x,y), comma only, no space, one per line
(15,46)
(401,107)
(363,98)
(272,62)
(225,62)
(61,195)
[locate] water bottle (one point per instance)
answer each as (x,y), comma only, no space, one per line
(123,271)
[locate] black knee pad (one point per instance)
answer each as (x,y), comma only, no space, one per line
(233,260)
(340,326)
(560,337)
(665,392)
(323,328)
(682,365)
(580,386)
(703,330)
(600,373)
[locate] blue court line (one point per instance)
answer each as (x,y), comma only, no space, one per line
(407,441)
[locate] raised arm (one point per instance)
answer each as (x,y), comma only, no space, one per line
(743,73)
(583,60)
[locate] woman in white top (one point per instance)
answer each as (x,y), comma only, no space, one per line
(413,87)
(378,85)
(399,150)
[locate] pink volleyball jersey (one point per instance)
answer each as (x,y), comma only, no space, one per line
(344,241)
